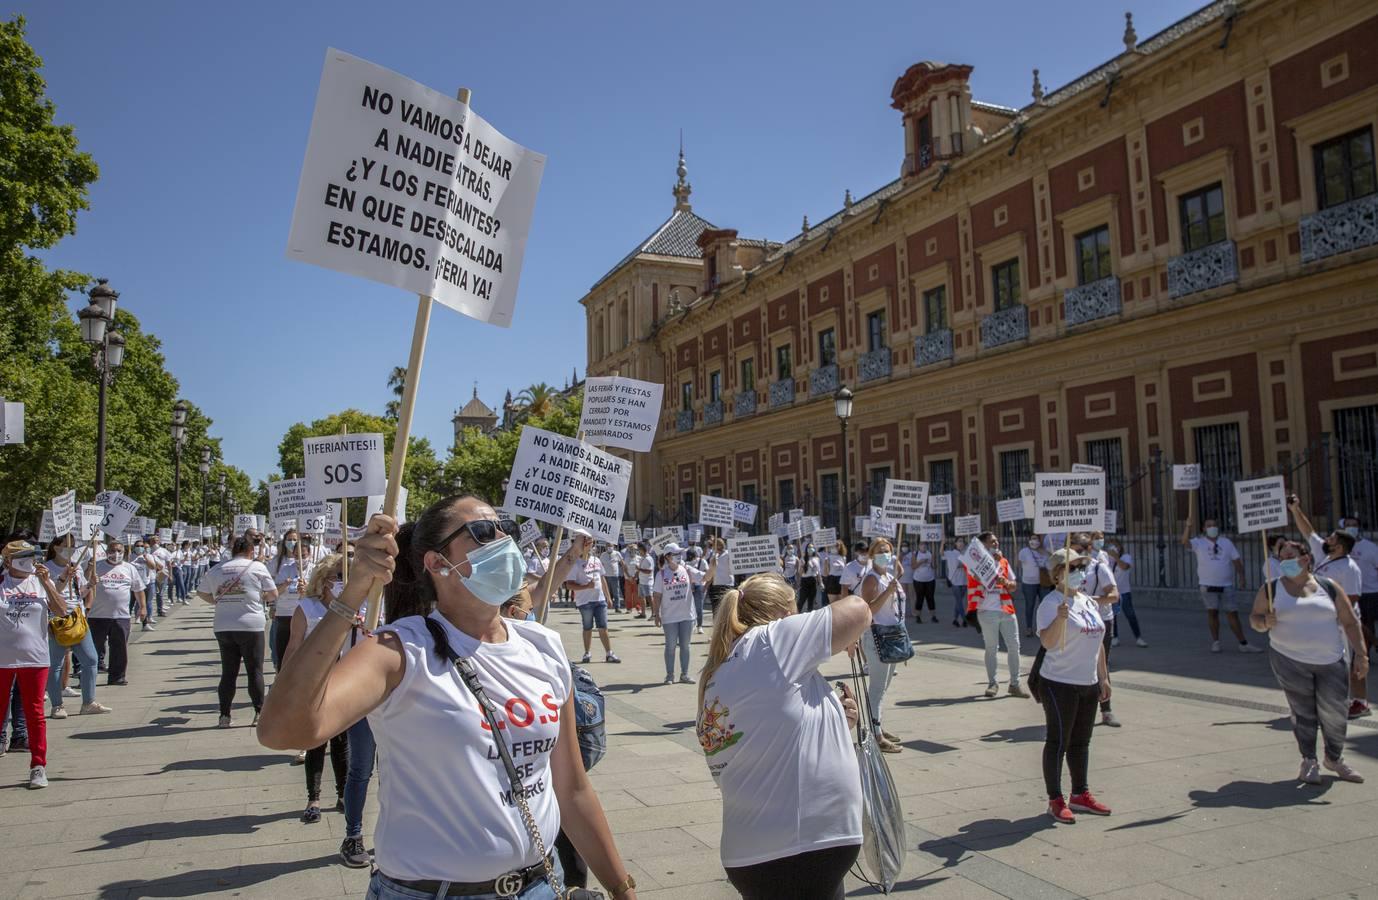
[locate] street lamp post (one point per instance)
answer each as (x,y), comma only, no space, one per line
(842,404)
(107,355)
(223,508)
(179,436)
(205,469)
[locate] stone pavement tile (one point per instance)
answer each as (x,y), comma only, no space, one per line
(613,799)
(246,793)
(680,814)
(654,842)
(663,751)
(1112,869)
(716,890)
(619,772)
(690,771)
(930,886)
(14,837)
(684,866)
(976,799)
(1094,834)
(57,809)
(661,795)
(115,877)
(1240,843)
(1293,877)
(1358,858)
(709,833)
(301,878)
(1144,892)
(55,854)
(1352,821)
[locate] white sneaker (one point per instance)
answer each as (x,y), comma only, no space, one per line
(58,713)
(1114,642)
(1342,770)
(94,709)
(698,630)
(1310,772)
(1215,646)
(1249,648)
(1108,718)
(70,692)
(38,778)
(992,690)
(1141,642)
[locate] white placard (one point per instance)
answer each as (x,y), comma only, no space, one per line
(1186,477)
(775,524)
(405,186)
(1084,468)
(795,530)
(742,512)
(620,412)
(859,524)
(964,526)
(939,504)
(242,522)
(89,518)
(165,535)
(754,554)
(11,423)
(531,533)
(825,537)
(631,532)
(374,506)
(695,533)
(567,482)
(717,511)
(980,563)
(344,465)
(281,526)
(46,535)
(931,534)
(906,501)
(288,499)
(1260,504)
(119,509)
(812,524)
(317,523)
(662,540)
(1069,501)
(877,525)
(1027,490)
(65,513)
(1011,510)
(795,515)
(728,532)
(1112,521)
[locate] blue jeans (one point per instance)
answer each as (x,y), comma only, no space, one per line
(677,633)
(698,604)
(84,652)
(594,614)
(1033,595)
(615,591)
(13,711)
(959,602)
(1126,606)
(381,887)
(361,749)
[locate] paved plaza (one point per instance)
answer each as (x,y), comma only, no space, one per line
(154,801)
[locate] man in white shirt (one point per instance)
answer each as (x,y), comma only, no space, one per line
(957,580)
(611,558)
(162,589)
(1331,557)
(1218,565)
(1365,553)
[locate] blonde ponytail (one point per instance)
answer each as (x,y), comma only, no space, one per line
(761,599)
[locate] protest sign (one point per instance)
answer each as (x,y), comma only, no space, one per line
(939,504)
(743,512)
(661,541)
(1261,504)
(1085,468)
(647,533)
(677,531)
(906,501)
(859,523)
(316,523)
(1112,521)
(695,533)
(963,526)
(795,515)
(64,513)
(531,532)
(119,509)
(1186,477)
(795,530)
(89,519)
(980,563)
(824,537)
(567,482)
(404,186)
(630,532)
(282,526)
(1027,490)
(728,532)
(754,554)
(375,505)
(288,499)
(1069,501)
(877,525)
(46,534)
(620,412)
(718,511)
(931,534)
(242,522)
(776,524)
(165,535)
(11,423)
(812,524)
(1011,510)
(344,465)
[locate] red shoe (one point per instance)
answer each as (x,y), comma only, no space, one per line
(1085,803)
(1358,709)
(1058,811)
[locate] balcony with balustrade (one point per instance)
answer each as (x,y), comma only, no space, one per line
(823,381)
(1340,229)
(744,404)
(1005,327)
(782,393)
(874,365)
(712,412)
(934,347)
(1201,270)
(1099,299)
(684,420)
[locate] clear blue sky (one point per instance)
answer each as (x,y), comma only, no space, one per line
(198,115)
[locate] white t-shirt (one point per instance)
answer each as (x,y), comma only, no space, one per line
(812,567)
(537,564)
(1214,561)
(1124,578)
(645,572)
(921,561)
(238,587)
(1365,553)
(23,623)
(676,599)
(1073,661)
(115,584)
(165,559)
(612,562)
(448,815)
(589,574)
(777,743)
(1343,571)
(852,573)
(722,575)
(952,562)
(146,564)
(698,570)
(1308,629)
(907,559)
(286,578)
(889,612)
(791,565)
(1099,578)
(1031,563)
(836,564)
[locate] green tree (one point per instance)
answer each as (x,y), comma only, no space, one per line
(536,400)
(397,383)
(481,463)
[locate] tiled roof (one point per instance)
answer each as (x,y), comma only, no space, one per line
(820,231)
(676,236)
(475,409)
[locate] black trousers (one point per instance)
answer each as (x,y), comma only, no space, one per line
(576,870)
(237,647)
(114,632)
(1105,648)
(715,592)
(923,593)
(808,594)
(1070,711)
(282,634)
(815,875)
(339,762)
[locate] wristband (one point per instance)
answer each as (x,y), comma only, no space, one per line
(343,611)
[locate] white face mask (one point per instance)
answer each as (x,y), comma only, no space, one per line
(115,558)
(27,565)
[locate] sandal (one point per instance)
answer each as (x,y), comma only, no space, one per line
(312,814)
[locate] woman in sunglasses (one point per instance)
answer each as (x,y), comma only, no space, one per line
(1074,681)
(472,794)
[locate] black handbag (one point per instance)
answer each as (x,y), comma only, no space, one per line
(1034,680)
(892,643)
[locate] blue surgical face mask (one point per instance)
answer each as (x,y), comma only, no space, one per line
(290,545)
(1098,544)
(882,560)
(1291,568)
(1076,578)
(496,571)
(1353,531)
(531,616)
(1212,532)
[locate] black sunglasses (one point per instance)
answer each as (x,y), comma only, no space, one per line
(485,531)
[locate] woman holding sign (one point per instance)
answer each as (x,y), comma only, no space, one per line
(478,816)
(1072,679)
(880,588)
(290,572)
(1309,619)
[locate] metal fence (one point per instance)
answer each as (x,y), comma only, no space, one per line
(1335,476)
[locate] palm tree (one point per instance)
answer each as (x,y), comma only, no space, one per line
(397,382)
(536,400)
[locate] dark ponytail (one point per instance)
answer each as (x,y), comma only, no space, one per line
(411,591)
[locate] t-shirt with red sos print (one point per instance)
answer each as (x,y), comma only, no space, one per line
(445,805)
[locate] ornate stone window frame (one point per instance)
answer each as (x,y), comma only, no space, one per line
(1011,246)
(1081,219)
(922,282)
(1218,165)
(1320,125)
(867,303)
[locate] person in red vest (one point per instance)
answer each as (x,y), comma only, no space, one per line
(994,608)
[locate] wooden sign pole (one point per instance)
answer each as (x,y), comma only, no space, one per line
(344,529)
(1267,580)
